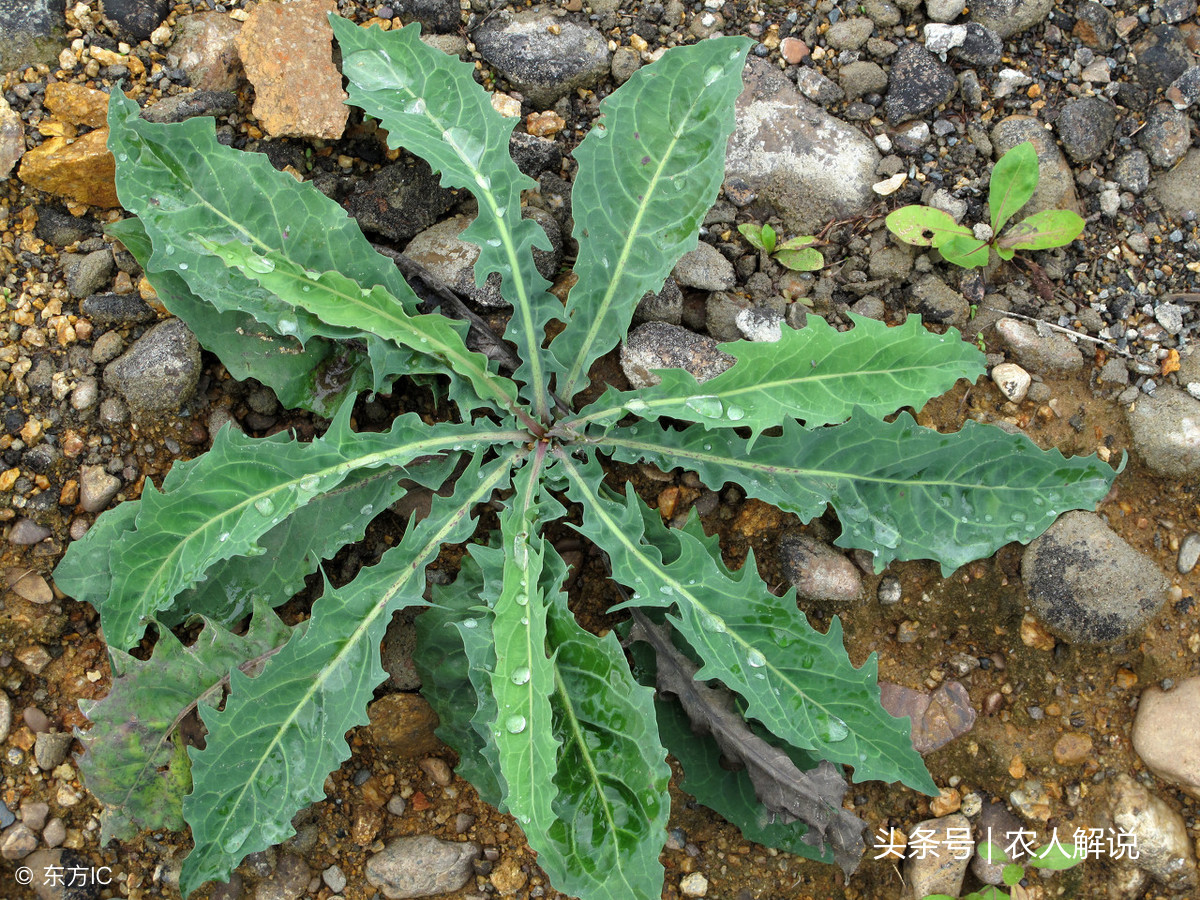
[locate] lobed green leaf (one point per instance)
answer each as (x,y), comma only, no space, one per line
(798,682)
(816,374)
(185,186)
(1014,179)
(900,491)
(340,301)
(648,173)
(279,734)
(430,104)
(134,760)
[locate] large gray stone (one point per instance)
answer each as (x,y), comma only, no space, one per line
(422,866)
(657,345)
(1166,734)
(30,32)
(1007,17)
(1179,189)
(1087,585)
(919,83)
(543,65)
(810,166)
(1166,432)
(159,373)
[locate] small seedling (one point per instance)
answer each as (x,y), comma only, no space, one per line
(1014,179)
(1053,856)
(796,254)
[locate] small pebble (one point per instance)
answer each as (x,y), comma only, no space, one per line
(890,590)
(396,805)
(693,885)
(334,878)
(54,833)
(1012,380)
(1189,553)
(437,770)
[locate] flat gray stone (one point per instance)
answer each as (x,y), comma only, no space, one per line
(1178,190)
(422,866)
(704,269)
(809,166)
(159,373)
(1087,585)
(1165,430)
(541,65)
(1056,180)
(31,31)
(1049,353)
(657,345)
(1007,17)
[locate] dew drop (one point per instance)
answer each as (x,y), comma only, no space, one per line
(123,157)
(831,728)
(735,413)
(264,505)
(522,599)
(1018,516)
(470,623)
(183,266)
(515,723)
(712,623)
(309,483)
(415,107)
(707,406)
(708,446)
(712,75)
(493,242)
(224,537)
(501,212)
(367,510)
(521,675)
(260,264)
(755,660)
(637,406)
(169,250)
(286,326)
(666,589)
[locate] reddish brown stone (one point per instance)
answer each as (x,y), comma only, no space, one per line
(287,50)
(80,169)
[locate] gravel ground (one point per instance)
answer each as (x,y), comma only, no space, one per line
(100,389)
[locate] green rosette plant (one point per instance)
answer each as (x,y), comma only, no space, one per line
(550,722)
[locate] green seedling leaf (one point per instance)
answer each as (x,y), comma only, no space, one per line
(1012,874)
(966,251)
(140,781)
(648,173)
(798,243)
(1014,179)
(430,104)
(923,226)
(992,853)
(280,733)
(768,238)
(900,491)
(185,186)
(1042,231)
(754,235)
(816,374)
(807,260)
(1056,857)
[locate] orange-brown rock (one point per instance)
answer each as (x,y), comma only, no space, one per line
(403,724)
(76,104)
(81,169)
(287,51)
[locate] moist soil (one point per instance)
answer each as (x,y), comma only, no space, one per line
(1028,688)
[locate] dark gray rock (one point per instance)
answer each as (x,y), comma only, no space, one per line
(1132,172)
(1166,136)
(918,84)
(809,166)
(1162,56)
(1087,585)
(818,571)
(816,87)
(54,226)
(421,866)
(541,65)
(1176,11)
(937,302)
(107,310)
(87,273)
(664,306)
(1165,432)
(1184,91)
(52,870)
(31,31)
(862,77)
(1007,17)
(288,881)
(1056,180)
(657,345)
(1094,26)
(400,200)
(981,47)
(187,106)
(436,16)
(1178,190)
(159,373)
(534,155)
(1086,127)
(135,19)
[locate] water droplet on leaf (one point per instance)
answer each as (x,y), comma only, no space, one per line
(264,505)
(521,675)
(515,723)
